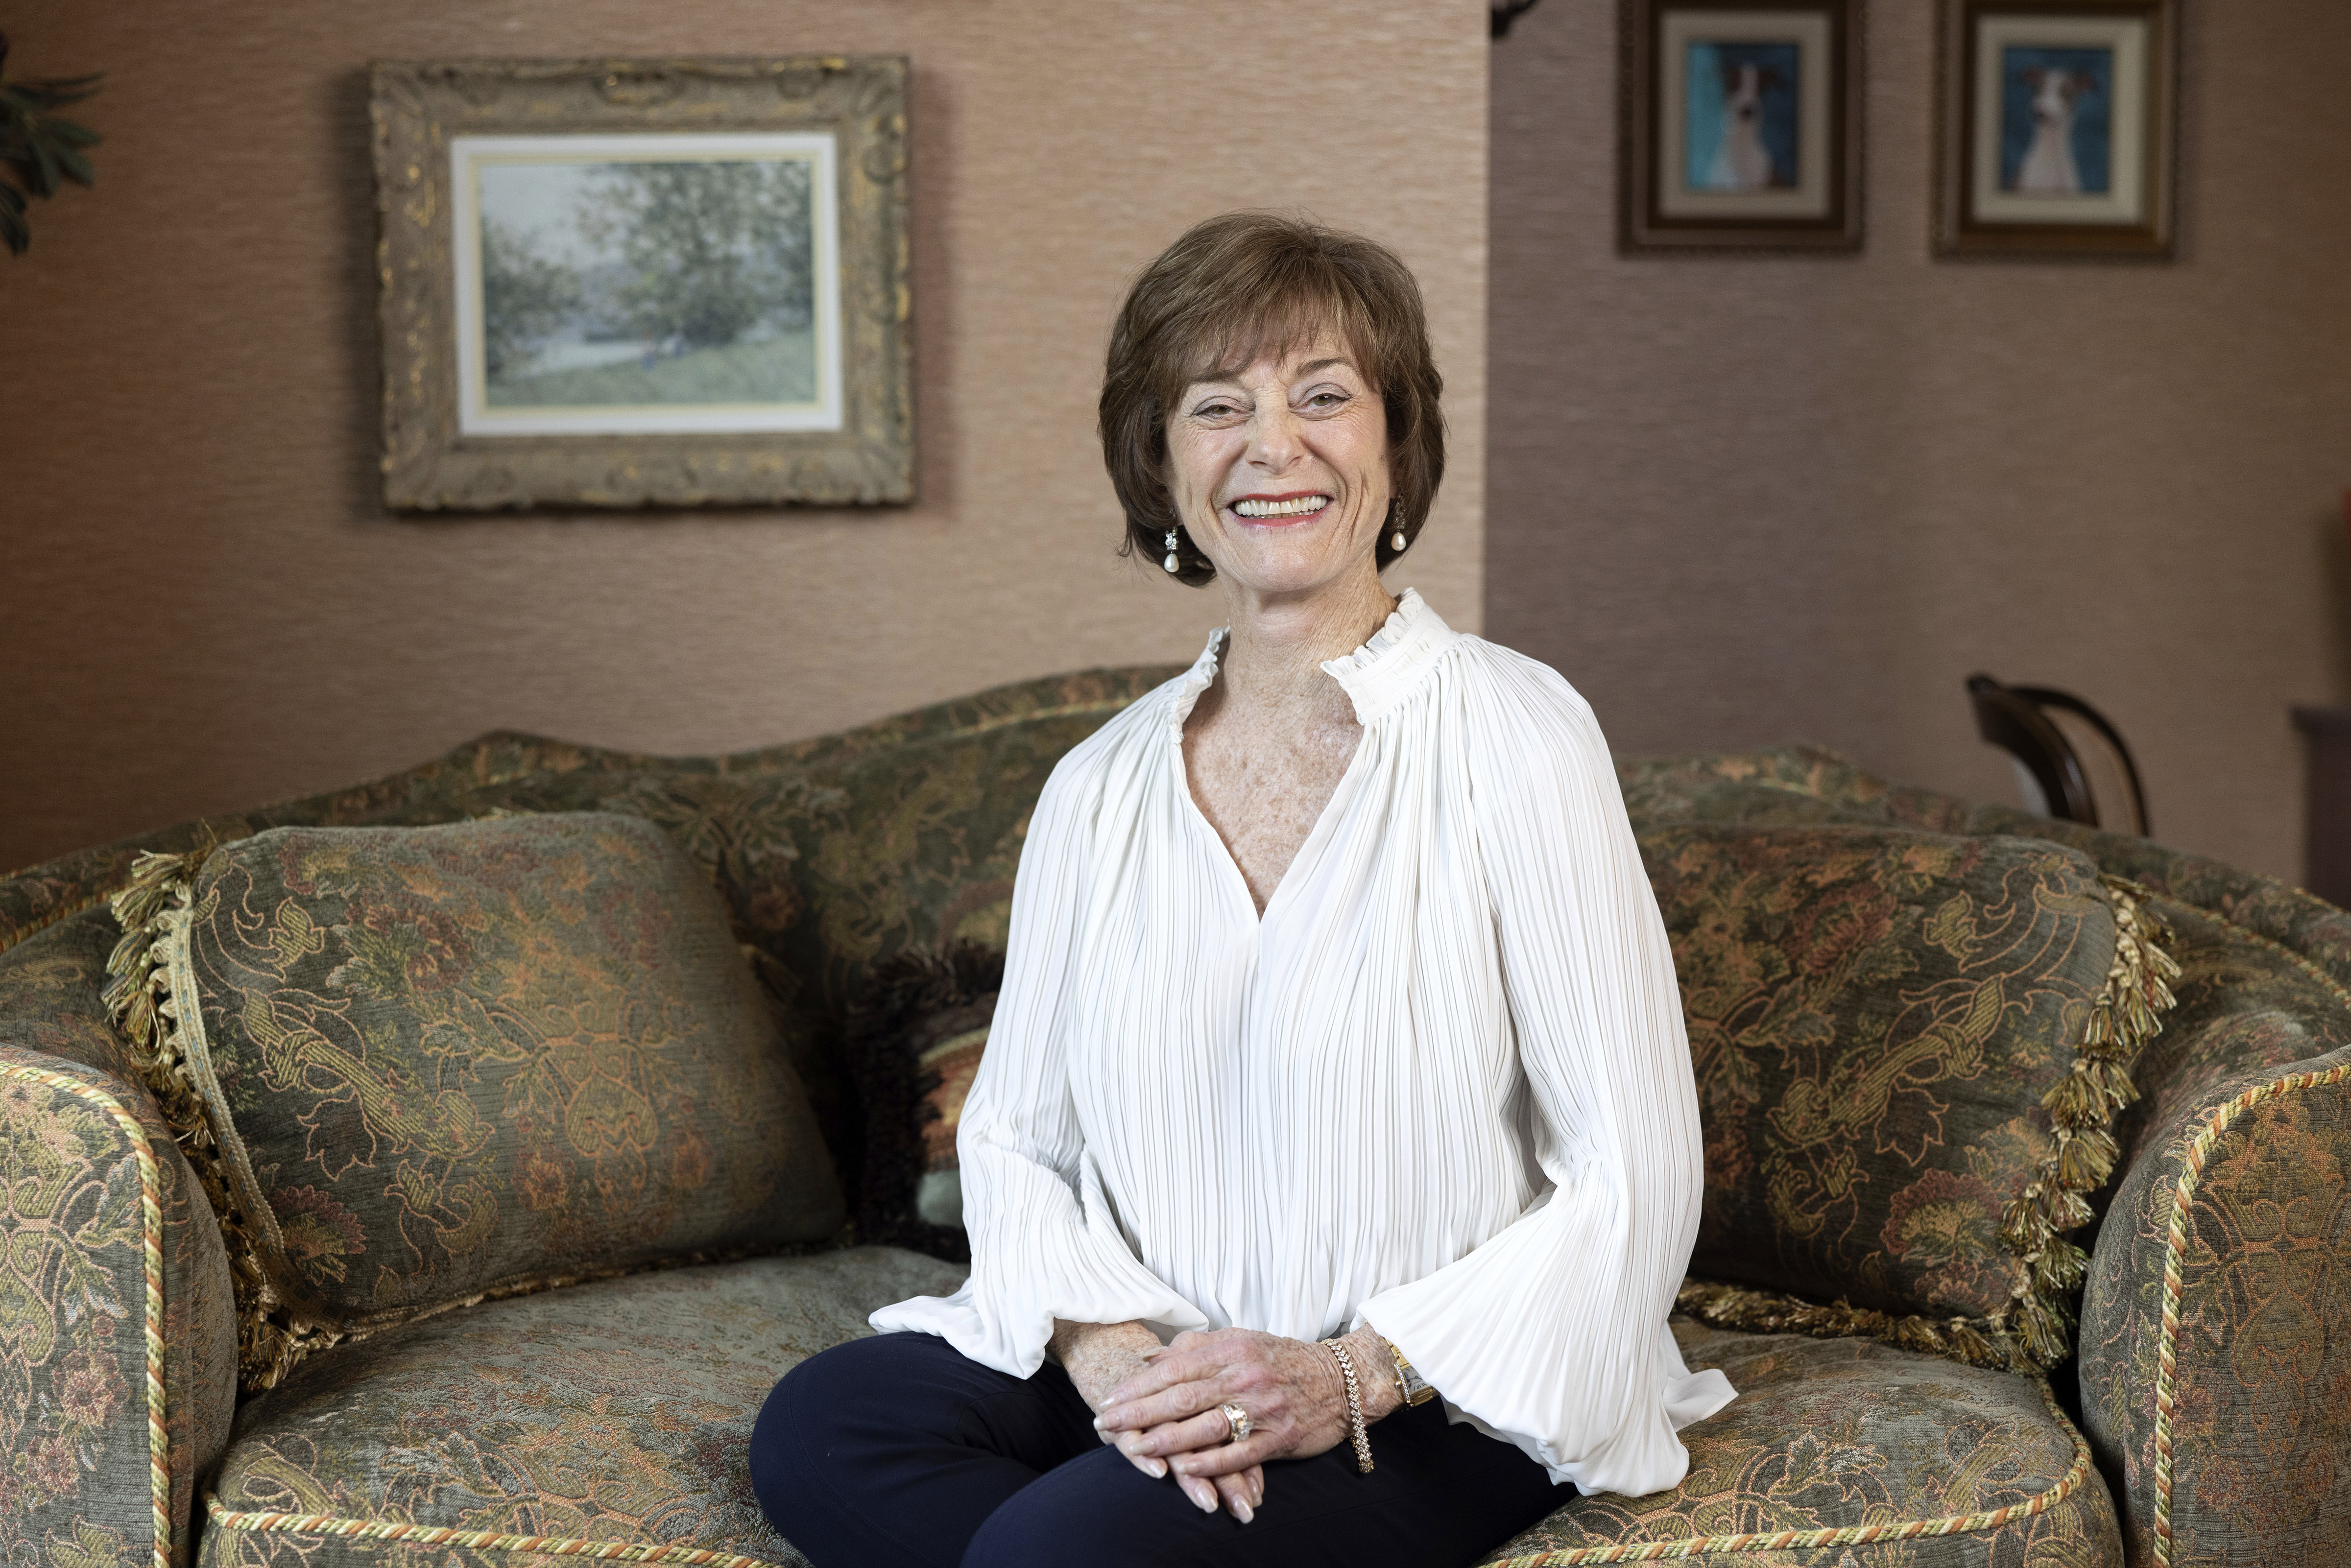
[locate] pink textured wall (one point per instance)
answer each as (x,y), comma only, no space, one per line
(1744,500)
(206,606)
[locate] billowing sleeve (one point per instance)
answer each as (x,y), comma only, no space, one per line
(1044,1243)
(1552,1334)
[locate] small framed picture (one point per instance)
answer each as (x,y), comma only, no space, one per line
(2058,126)
(1741,124)
(610,282)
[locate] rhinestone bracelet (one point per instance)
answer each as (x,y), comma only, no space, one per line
(1354,1405)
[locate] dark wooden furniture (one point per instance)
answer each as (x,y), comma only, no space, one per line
(2327,846)
(2032,724)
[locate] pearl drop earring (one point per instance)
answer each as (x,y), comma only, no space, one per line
(1170,563)
(1395,542)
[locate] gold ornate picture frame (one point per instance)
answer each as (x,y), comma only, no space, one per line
(624,283)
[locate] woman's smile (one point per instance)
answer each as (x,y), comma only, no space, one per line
(1281,511)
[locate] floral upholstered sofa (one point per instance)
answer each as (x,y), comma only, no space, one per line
(1929,1373)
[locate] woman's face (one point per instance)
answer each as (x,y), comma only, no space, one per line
(1280,471)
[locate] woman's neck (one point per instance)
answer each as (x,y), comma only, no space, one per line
(1274,653)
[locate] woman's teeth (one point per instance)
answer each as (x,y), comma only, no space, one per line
(1297,509)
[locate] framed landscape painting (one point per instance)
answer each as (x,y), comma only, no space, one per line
(1740,124)
(2057,128)
(625,283)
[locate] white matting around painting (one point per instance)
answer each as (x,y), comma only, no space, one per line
(470,156)
(1809,31)
(2124,200)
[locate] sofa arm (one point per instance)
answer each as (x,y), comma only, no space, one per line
(117,1337)
(2215,1370)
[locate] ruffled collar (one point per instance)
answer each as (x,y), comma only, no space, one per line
(1376,676)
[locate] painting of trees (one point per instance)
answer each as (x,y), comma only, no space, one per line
(710,250)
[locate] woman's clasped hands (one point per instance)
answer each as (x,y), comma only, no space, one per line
(1163,1407)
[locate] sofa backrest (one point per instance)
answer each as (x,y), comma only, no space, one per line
(838,851)
(831,853)
(2266,966)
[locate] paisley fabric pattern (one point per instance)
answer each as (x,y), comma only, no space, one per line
(2259,1416)
(834,854)
(448,1060)
(615,1413)
(2256,1429)
(532,772)
(1797,784)
(1873,1017)
(1859,1438)
(76,1456)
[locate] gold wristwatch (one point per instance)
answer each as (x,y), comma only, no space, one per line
(1414,1389)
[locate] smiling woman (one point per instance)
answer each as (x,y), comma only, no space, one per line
(1338,1064)
(1233,291)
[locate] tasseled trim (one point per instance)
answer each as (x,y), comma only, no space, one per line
(2034,1329)
(163,1028)
(2082,1106)
(1978,1342)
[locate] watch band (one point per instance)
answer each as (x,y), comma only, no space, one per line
(1414,1389)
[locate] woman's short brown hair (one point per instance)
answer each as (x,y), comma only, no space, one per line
(1232,289)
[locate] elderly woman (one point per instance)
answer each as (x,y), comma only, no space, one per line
(1335,1156)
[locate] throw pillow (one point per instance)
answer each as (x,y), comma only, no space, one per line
(421,1065)
(1908,1048)
(916,1037)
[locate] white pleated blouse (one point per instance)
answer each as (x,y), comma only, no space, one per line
(1441,1086)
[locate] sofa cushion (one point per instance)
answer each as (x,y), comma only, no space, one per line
(916,1037)
(608,1419)
(1901,1460)
(438,1062)
(1878,1019)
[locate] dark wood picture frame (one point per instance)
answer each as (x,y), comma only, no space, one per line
(862,452)
(1657,212)
(1962,227)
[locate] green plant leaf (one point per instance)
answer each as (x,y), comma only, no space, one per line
(71,134)
(45,168)
(13,231)
(76,166)
(57,92)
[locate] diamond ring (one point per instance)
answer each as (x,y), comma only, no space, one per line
(1235,1418)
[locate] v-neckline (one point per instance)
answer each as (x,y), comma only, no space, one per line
(1312,845)
(1376,676)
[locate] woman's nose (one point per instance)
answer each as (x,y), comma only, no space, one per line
(1274,442)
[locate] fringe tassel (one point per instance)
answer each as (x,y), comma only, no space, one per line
(1979,1341)
(154,911)
(2127,1014)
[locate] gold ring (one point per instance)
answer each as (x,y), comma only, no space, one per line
(1236,1419)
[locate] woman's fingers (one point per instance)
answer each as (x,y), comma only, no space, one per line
(1235,1492)
(1189,1357)
(1179,1403)
(1177,1437)
(1163,1372)
(1203,1493)
(1151,1465)
(1225,1458)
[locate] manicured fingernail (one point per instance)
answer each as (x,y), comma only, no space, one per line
(1158,1467)
(1208,1504)
(1242,1511)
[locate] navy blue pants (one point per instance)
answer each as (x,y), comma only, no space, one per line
(896,1449)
